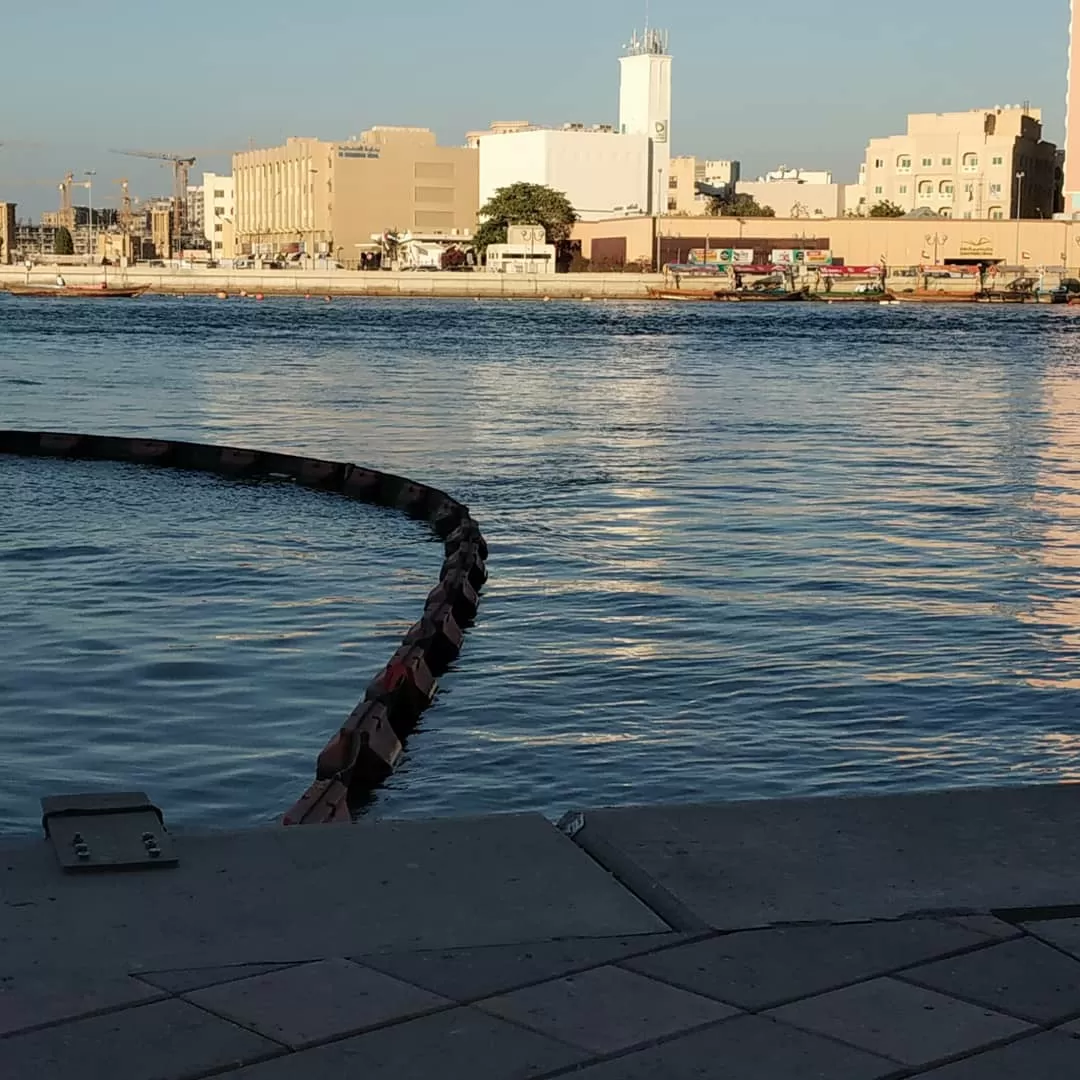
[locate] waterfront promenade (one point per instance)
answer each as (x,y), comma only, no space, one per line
(352,283)
(840,939)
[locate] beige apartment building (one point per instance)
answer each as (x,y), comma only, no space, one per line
(985,164)
(330,198)
(684,176)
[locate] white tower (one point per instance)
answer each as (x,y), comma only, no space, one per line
(645,107)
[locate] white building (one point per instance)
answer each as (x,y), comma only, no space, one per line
(601,170)
(219,214)
(797,193)
(526,251)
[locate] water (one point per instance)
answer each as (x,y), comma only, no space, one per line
(735,553)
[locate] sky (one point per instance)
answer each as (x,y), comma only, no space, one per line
(767,82)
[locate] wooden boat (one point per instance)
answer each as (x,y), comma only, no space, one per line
(750,296)
(853,298)
(683,294)
(97,292)
(933,296)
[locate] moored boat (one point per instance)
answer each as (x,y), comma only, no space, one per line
(933,296)
(98,292)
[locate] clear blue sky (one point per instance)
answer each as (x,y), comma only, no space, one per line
(799,82)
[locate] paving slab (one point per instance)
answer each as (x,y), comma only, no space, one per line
(470,974)
(740,865)
(1062,933)
(304,1005)
(746,1048)
(169,1040)
(1047,1056)
(606,1009)
(1023,977)
(758,968)
(285,895)
(900,1021)
(461,1044)
(181,980)
(989,925)
(29,1001)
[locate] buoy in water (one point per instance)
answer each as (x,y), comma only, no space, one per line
(328,299)
(259,296)
(223,296)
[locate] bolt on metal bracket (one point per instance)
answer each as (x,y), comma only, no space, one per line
(107,831)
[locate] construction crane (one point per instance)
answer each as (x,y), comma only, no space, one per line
(126,216)
(182,167)
(66,217)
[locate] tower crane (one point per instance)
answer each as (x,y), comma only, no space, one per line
(126,216)
(181,170)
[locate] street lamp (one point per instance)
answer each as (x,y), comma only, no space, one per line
(90,174)
(1019,210)
(938,240)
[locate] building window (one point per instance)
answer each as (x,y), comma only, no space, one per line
(219,211)
(903,164)
(967,215)
(878,190)
(926,189)
(927,162)
(673,182)
(903,189)
(969,188)
(218,245)
(219,228)
(971,162)
(219,194)
(946,161)
(879,163)
(945,212)
(996,213)
(672,204)
(946,188)
(995,190)
(998,161)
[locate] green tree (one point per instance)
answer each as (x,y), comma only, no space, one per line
(525,204)
(742,205)
(62,242)
(886,209)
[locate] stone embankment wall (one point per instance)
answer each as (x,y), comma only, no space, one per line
(369,743)
(355,283)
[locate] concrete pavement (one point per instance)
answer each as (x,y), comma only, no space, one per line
(836,939)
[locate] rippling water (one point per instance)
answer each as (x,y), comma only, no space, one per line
(735,553)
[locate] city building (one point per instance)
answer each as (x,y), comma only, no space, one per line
(985,164)
(194,211)
(693,181)
(600,168)
(328,198)
(1072,116)
(8,231)
(600,171)
(796,193)
(218,215)
(1029,247)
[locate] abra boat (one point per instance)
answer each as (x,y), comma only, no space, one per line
(933,297)
(97,292)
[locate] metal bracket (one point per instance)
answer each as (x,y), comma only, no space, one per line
(109,831)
